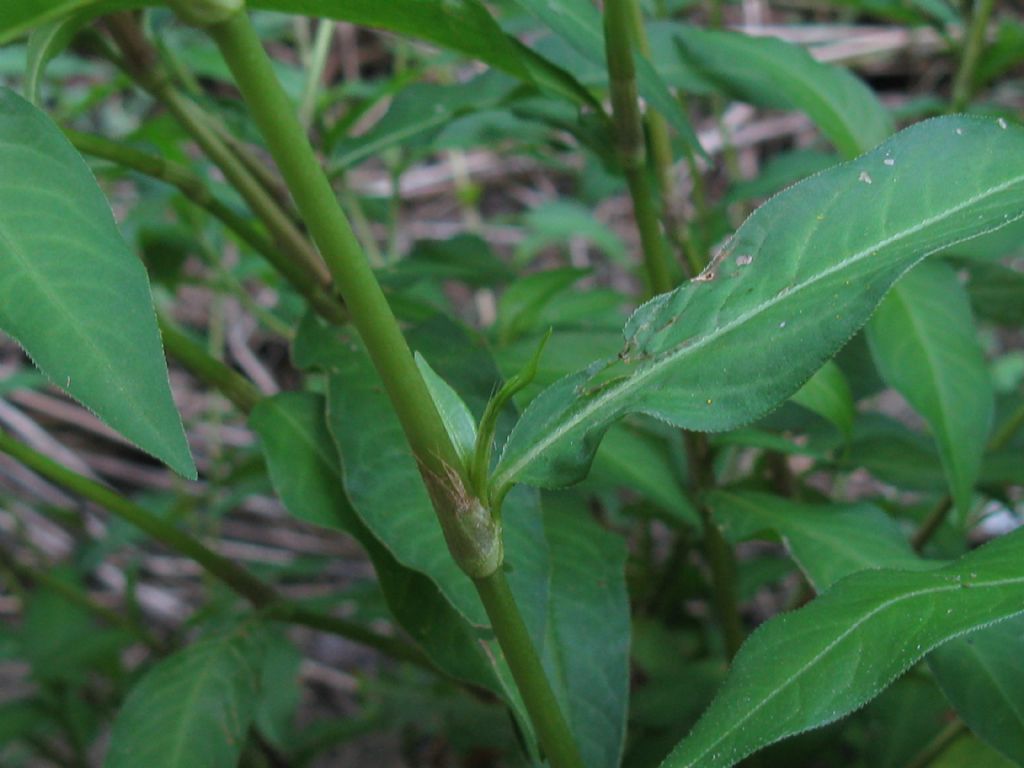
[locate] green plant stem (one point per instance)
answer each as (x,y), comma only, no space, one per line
(27,577)
(188,183)
(440,464)
(938,745)
(629,141)
(1007,430)
(540,702)
(205,367)
(963,83)
(198,194)
(238,579)
(931,523)
(142,65)
(721,559)
(271,182)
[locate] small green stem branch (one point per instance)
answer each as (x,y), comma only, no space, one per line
(940,512)
(143,66)
(936,517)
(933,749)
(26,578)
(205,367)
(554,733)
(238,579)
(472,534)
(629,141)
(198,194)
(1007,430)
(963,83)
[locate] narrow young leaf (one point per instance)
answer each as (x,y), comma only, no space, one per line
(807,668)
(46,42)
(73,294)
(801,275)
(193,708)
(925,345)
(458,421)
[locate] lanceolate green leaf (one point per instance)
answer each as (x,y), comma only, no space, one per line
(194,708)
(73,294)
(801,275)
(982,673)
(810,667)
(773,73)
(924,343)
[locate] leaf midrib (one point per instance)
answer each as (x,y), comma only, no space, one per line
(794,678)
(505,477)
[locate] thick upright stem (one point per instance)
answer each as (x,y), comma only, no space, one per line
(629,141)
(963,84)
(274,114)
(442,469)
(540,702)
